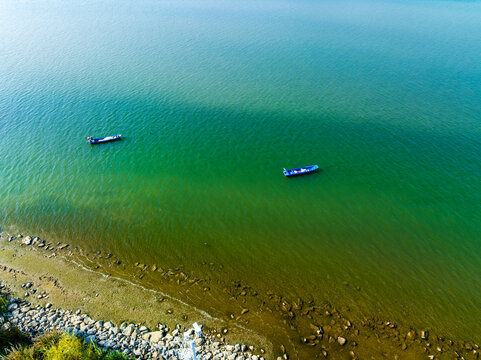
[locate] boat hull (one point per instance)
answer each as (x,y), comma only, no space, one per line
(300,171)
(104,139)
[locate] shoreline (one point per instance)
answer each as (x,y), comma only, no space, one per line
(59,281)
(132,340)
(73,282)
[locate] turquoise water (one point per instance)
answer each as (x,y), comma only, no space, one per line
(213,99)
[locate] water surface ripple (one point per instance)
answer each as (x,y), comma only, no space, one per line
(214,99)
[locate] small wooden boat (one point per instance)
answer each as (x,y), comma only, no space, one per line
(300,171)
(91,140)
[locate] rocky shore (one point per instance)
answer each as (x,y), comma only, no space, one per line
(133,340)
(43,272)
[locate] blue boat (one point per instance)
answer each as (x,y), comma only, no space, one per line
(300,171)
(91,140)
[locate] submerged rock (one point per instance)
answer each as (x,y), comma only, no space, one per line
(411,335)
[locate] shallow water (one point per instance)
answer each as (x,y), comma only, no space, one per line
(213,100)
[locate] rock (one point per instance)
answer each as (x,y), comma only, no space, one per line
(126,352)
(156,336)
(411,335)
(199,341)
(48,306)
(144,329)
(424,335)
(27,240)
(108,325)
(129,330)
(342,341)
(244,311)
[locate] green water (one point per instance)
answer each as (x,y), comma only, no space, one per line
(213,99)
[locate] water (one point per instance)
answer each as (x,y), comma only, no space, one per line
(213,100)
